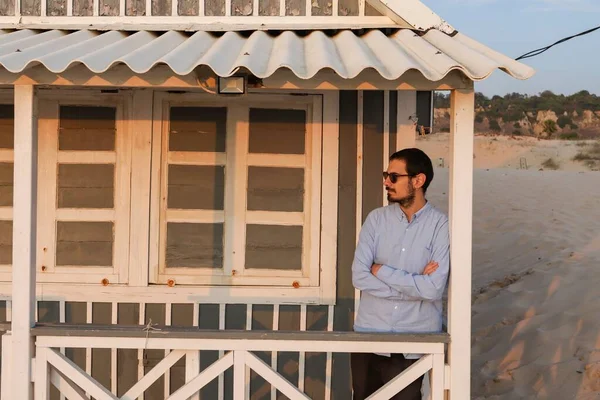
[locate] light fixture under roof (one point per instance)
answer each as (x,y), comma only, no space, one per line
(232,85)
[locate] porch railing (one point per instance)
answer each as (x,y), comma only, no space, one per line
(236,348)
(185,13)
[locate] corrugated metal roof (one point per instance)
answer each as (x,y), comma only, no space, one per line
(347,53)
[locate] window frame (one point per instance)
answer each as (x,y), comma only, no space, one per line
(49,157)
(238,159)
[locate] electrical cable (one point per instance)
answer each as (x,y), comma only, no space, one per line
(541,50)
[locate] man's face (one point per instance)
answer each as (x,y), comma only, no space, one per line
(402,191)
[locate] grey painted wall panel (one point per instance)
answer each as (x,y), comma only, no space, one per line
(155,314)
(235,318)
(76,313)
(372,152)
(181,315)
(262,319)
(288,362)
(101,314)
(343,315)
(209,319)
(48,311)
(127,359)
(393,120)
(424,108)
(315,363)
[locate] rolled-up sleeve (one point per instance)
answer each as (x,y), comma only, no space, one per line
(424,287)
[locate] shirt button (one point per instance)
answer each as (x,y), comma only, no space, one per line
(403,249)
(396,307)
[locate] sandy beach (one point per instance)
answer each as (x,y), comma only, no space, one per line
(512,152)
(536,280)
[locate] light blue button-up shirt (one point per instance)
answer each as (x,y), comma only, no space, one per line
(400,298)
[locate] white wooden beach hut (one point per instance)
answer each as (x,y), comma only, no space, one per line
(182,183)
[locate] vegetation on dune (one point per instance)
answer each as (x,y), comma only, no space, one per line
(551,164)
(589,155)
(515,106)
(546,115)
(550,127)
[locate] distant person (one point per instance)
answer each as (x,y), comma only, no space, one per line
(401,266)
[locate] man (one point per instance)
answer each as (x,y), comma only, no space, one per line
(401,266)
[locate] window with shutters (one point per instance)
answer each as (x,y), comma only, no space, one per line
(239,191)
(83,189)
(228,194)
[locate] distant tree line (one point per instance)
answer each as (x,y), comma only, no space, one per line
(515,106)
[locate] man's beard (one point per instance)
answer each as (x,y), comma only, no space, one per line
(405,201)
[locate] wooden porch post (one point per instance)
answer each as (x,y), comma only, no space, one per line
(407,107)
(461,221)
(24,239)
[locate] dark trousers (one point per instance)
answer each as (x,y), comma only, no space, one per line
(370,372)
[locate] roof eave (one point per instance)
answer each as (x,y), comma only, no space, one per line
(412,13)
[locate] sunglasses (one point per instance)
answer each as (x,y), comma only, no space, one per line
(393,176)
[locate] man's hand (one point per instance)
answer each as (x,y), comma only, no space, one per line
(430,268)
(375,268)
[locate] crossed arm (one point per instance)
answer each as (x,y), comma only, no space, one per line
(396,284)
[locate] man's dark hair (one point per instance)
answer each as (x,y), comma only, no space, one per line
(417,162)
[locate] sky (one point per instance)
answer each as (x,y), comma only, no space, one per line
(515,27)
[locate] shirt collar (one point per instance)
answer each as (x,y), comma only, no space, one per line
(417,215)
(422,211)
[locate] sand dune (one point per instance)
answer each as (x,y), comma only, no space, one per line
(536,282)
(511,152)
